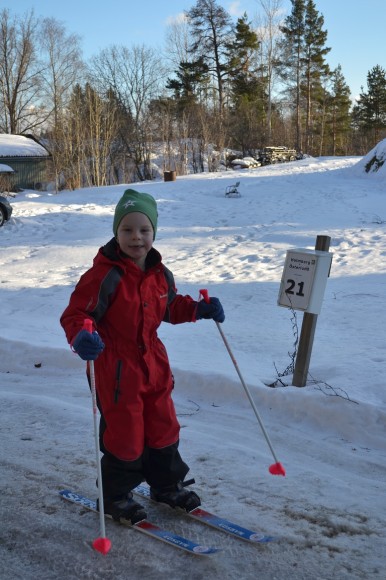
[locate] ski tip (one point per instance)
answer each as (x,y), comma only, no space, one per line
(102,545)
(277,469)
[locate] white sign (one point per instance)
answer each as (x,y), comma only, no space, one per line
(297,279)
(304,279)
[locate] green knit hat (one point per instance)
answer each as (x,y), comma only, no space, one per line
(132,201)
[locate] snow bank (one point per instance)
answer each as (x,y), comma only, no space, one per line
(374,162)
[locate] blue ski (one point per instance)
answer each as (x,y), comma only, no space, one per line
(217,522)
(145,526)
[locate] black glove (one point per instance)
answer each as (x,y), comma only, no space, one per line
(88,346)
(212,309)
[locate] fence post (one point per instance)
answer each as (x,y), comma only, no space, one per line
(307,334)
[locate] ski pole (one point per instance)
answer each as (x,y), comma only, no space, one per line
(101,544)
(276,468)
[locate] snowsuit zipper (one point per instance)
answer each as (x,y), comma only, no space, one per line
(117,390)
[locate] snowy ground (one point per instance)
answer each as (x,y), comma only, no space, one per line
(329,510)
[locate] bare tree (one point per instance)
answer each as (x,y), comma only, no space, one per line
(178,41)
(102,129)
(19,73)
(269,33)
(84,140)
(135,76)
(62,68)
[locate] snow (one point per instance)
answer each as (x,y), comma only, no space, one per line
(378,154)
(329,510)
(5,168)
(19,146)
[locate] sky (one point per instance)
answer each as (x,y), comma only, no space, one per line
(355,29)
(328,512)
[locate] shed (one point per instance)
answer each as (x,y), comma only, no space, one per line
(29,159)
(5,178)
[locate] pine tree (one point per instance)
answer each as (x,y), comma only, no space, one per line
(241,62)
(339,112)
(315,67)
(247,88)
(291,62)
(370,110)
(191,77)
(303,64)
(211,26)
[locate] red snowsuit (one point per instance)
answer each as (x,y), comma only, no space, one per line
(133,376)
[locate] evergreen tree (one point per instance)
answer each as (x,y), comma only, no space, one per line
(291,61)
(339,112)
(370,110)
(247,88)
(191,77)
(302,64)
(211,26)
(241,62)
(315,67)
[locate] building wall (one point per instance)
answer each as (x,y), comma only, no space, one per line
(30,172)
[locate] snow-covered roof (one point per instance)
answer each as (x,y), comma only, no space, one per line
(6,168)
(20,146)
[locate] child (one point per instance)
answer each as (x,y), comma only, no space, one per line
(127,293)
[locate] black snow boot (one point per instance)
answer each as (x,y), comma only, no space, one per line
(125,508)
(177,495)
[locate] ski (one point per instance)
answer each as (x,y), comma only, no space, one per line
(215,521)
(144,526)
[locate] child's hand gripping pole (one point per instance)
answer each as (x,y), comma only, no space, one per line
(101,544)
(276,468)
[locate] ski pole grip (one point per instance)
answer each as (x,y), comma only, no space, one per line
(205,295)
(87,325)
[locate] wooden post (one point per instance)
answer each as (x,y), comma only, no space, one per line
(308,331)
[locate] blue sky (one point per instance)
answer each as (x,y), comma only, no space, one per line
(355,28)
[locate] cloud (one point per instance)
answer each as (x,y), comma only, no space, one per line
(181,17)
(234,9)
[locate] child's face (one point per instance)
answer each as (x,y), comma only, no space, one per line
(135,237)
